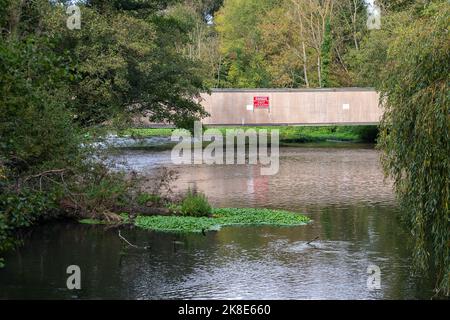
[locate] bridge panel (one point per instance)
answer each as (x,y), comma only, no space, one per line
(343,106)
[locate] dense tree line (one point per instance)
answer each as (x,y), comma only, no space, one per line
(285,43)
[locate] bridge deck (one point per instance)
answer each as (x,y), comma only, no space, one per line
(307,107)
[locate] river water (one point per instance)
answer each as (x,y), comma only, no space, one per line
(340,187)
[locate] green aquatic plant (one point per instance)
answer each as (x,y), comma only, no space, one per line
(252,216)
(222,218)
(195,205)
(178,224)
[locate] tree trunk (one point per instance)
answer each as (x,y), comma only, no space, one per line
(14,18)
(319,70)
(305,61)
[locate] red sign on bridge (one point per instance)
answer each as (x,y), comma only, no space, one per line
(261,102)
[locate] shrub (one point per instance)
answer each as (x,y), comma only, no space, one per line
(195,205)
(144,199)
(21,210)
(367,133)
(187,123)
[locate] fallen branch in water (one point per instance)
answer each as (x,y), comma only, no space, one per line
(130,244)
(316,238)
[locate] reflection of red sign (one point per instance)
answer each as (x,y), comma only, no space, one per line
(261,102)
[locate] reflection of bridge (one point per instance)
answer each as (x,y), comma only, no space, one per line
(309,107)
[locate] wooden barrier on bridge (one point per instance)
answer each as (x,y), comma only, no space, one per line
(313,107)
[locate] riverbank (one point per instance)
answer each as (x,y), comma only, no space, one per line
(289,135)
(219,218)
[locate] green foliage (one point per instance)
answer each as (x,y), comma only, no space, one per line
(150,132)
(257,44)
(128,63)
(326,55)
(4,6)
(36,124)
(288,133)
(187,123)
(366,133)
(397,5)
(348,27)
(119,63)
(280,43)
(195,205)
(298,134)
(146,198)
(368,63)
(103,193)
(237,22)
(58,87)
(37,133)
(415,131)
(222,218)
(21,211)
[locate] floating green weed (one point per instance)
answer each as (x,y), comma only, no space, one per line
(222,218)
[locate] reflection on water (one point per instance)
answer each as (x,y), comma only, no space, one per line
(342,189)
(308,176)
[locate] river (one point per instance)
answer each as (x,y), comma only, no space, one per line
(341,188)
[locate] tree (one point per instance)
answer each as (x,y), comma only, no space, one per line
(368,63)
(299,27)
(395,5)
(36,130)
(326,55)
(241,43)
(289,58)
(415,131)
(144,7)
(285,42)
(348,25)
(202,45)
(127,63)
(204,8)
(57,86)
(313,16)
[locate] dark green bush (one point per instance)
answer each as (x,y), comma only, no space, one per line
(368,133)
(187,123)
(22,210)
